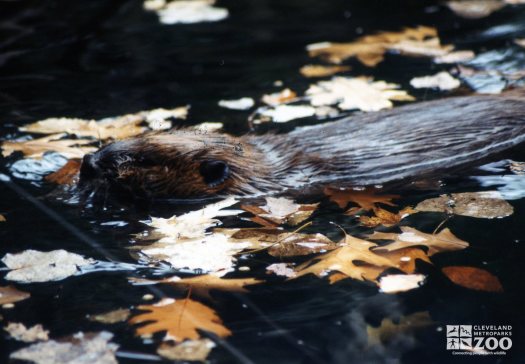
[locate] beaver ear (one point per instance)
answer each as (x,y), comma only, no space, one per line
(214,172)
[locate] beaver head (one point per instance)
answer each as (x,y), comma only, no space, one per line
(179,164)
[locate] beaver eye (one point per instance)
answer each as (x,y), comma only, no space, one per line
(214,172)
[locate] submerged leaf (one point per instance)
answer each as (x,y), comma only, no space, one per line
(389,329)
(473,278)
(66,175)
(318,70)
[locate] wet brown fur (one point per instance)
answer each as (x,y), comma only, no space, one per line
(363,149)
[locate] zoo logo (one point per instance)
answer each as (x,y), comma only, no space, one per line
(479,339)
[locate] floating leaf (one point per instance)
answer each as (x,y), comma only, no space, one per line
(436,243)
(81,348)
(186,11)
(485,204)
(112,317)
(241,104)
(317,70)
(370,49)
(474,9)
(281,269)
(353,260)
(9,294)
(36,148)
(395,283)
(281,210)
(189,350)
(404,259)
(441,81)
(359,93)
(389,330)
(180,319)
(473,278)
(35,266)
(203,284)
(28,335)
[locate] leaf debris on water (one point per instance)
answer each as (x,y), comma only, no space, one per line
(81,348)
(19,332)
(370,49)
(358,93)
(186,11)
(441,81)
(35,266)
(180,319)
(483,204)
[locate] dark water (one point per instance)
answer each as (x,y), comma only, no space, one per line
(93,59)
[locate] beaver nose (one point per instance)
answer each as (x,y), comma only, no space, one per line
(89,168)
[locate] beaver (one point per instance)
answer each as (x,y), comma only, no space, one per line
(363,149)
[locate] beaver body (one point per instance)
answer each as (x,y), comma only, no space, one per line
(364,149)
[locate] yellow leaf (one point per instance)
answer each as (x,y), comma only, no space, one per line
(180,319)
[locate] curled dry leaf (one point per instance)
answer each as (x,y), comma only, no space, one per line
(186,11)
(34,266)
(317,70)
(389,330)
(81,348)
(281,210)
(66,175)
(366,198)
(436,243)
(112,317)
(370,49)
(473,278)
(180,319)
(10,294)
(395,283)
(485,204)
(189,350)
(474,9)
(385,218)
(35,148)
(28,335)
(442,81)
(455,57)
(358,93)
